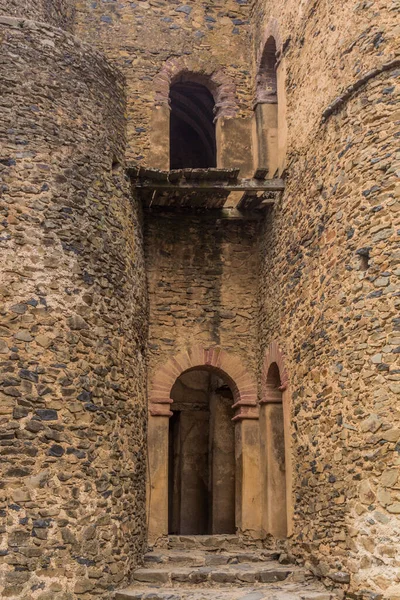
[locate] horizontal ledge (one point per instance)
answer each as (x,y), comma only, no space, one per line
(248,403)
(174,175)
(241,417)
(272,401)
(160,413)
(241,185)
(159,400)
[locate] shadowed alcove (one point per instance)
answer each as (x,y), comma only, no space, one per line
(192,128)
(201,456)
(266,109)
(267,86)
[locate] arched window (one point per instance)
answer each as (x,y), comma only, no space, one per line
(192,128)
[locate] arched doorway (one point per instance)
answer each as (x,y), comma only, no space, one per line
(192,128)
(201,455)
(231,391)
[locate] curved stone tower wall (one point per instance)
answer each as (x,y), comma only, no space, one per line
(329,288)
(72,323)
(56,12)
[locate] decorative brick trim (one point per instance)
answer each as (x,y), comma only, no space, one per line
(216,80)
(228,366)
(273,393)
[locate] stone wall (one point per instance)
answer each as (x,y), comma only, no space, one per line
(73,309)
(329,287)
(141,37)
(202,279)
(72,324)
(59,13)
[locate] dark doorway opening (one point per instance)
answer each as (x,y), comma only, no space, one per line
(192,130)
(201,456)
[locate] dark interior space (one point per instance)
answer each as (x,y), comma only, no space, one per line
(201,456)
(192,134)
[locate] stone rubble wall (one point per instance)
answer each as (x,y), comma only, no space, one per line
(202,280)
(329,290)
(73,320)
(59,13)
(140,37)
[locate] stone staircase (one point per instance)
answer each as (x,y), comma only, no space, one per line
(220,567)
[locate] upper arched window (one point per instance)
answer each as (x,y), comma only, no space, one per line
(192,128)
(267,88)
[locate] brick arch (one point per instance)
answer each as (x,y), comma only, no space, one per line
(270,392)
(227,365)
(214,78)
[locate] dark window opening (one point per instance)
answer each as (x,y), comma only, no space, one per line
(192,132)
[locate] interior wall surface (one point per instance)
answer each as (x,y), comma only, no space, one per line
(73,324)
(58,13)
(141,38)
(329,283)
(202,281)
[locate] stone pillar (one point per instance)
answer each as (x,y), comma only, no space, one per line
(157,475)
(273,464)
(222,453)
(235,145)
(282,116)
(266,125)
(248,488)
(159,152)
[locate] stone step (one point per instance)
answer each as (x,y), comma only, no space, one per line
(210,542)
(283,592)
(159,557)
(233,574)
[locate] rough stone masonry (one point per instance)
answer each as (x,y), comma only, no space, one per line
(96,297)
